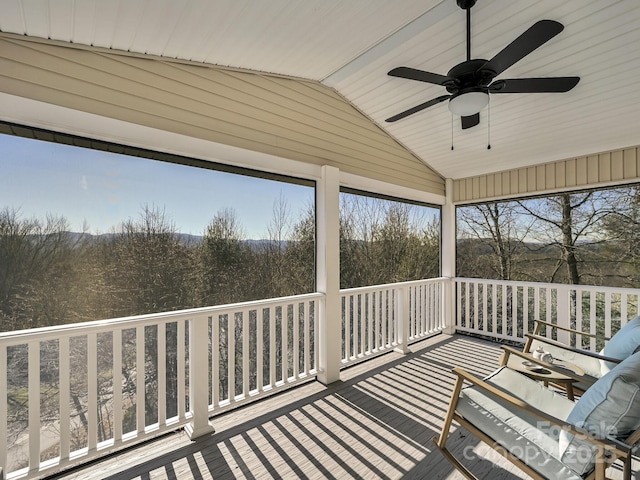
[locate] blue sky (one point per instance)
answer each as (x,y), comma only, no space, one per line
(104,189)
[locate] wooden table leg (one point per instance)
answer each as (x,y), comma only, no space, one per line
(570,391)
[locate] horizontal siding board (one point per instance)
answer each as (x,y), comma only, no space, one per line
(240,111)
(265,144)
(252,111)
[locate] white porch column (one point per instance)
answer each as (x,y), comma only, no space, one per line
(449,258)
(328,274)
(198,375)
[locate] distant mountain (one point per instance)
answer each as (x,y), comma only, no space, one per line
(185,239)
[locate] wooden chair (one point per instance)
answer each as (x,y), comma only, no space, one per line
(536,429)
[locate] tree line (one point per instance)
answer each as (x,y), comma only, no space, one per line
(587,238)
(50,276)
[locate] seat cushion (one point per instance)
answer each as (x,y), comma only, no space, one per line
(610,407)
(524,435)
(623,344)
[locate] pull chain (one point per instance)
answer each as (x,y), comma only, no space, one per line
(452,131)
(489,125)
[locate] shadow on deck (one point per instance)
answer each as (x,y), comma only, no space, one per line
(377,422)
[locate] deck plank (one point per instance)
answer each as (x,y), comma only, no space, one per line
(377,422)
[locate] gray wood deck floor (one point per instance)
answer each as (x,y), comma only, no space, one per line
(378,422)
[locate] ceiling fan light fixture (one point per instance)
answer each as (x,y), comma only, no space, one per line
(468,102)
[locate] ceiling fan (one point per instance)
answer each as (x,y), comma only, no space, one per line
(470,82)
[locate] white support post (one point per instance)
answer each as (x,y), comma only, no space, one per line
(448,255)
(402,319)
(198,379)
(328,274)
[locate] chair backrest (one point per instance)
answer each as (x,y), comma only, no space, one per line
(611,407)
(623,344)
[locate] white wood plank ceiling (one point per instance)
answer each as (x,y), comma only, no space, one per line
(351,45)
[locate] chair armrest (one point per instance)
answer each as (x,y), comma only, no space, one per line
(572,349)
(616,446)
(571,330)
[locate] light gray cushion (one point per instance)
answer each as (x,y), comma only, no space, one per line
(520,433)
(610,407)
(623,344)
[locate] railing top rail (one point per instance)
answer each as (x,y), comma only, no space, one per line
(18,337)
(387,286)
(561,286)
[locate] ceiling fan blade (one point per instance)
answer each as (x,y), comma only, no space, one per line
(534,85)
(537,35)
(420,75)
(417,108)
(470,121)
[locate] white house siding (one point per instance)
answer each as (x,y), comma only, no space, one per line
(289,118)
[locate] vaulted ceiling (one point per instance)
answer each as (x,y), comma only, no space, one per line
(351,45)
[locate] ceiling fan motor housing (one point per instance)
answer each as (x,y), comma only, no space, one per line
(469,74)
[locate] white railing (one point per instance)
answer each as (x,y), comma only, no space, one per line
(97,386)
(383,317)
(506,309)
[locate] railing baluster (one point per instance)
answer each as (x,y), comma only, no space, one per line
(307,352)
(284,322)
(259,349)
(231,356)
(64,383)
(117,386)
(181,364)
(467,304)
(383,325)
(592,314)
(458,312)
(525,310)
(245,354)
(4,407)
(373,334)
(296,340)
(424,309)
(272,347)
(215,360)
(161,354)
(578,297)
(485,322)
(348,335)
(514,312)
(92,386)
(361,323)
(624,299)
(34,405)
(475,297)
(140,380)
(607,313)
